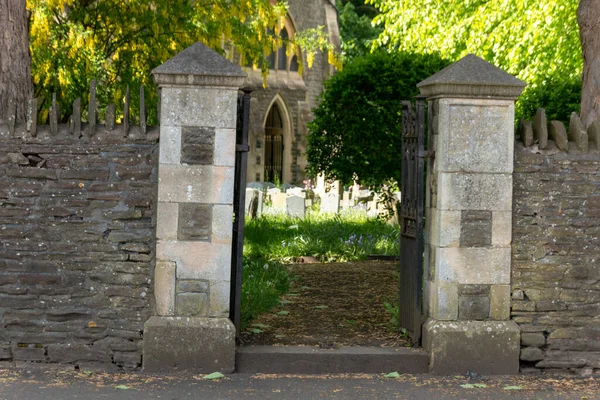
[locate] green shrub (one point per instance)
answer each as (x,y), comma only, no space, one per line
(357,125)
(559,96)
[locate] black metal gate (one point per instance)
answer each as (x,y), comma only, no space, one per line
(411,219)
(239,200)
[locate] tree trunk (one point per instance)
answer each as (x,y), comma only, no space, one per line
(15,62)
(588,17)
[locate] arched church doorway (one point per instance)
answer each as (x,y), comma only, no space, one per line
(274,130)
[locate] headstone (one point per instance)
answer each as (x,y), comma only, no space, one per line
(540,128)
(255,185)
(330,203)
(285,187)
(346,200)
(251,205)
(296,206)
(296,191)
(320,186)
(278,201)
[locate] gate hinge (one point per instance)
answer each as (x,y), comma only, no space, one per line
(242,148)
(426,154)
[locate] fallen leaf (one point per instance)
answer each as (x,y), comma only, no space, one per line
(393,375)
(321,307)
(283,312)
(213,376)
(286,302)
(256,330)
(123,387)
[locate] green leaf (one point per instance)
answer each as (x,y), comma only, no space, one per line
(467,386)
(480,385)
(285,302)
(512,388)
(123,387)
(213,376)
(321,307)
(393,375)
(86,372)
(256,330)
(283,312)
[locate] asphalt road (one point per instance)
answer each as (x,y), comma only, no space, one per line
(43,383)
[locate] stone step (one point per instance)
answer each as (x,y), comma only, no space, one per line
(313,360)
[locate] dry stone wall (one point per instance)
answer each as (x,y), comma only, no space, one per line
(77,223)
(556,247)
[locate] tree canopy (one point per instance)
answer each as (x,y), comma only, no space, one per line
(536,41)
(120,42)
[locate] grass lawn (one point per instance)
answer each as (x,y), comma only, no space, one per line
(275,239)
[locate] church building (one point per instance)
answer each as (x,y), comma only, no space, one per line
(280,112)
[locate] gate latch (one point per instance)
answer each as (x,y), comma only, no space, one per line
(427,154)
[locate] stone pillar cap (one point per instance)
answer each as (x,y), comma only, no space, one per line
(199,65)
(472,77)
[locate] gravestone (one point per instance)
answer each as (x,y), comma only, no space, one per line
(296,206)
(251,206)
(255,185)
(296,191)
(330,203)
(278,201)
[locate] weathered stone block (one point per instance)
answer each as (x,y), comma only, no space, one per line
(484,347)
(173,344)
(533,339)
(558,133)
(476,229)
(197,260)
(28,353)
(195,184)
(443,301)
(167,217)
(170,144)
(225,147)
(199,107)
(197,145)
(164,287)
(219,298)
(195,222)
(444,227)
(66,353)
(222,223)
(490,192)
(192,304)
(192,286)
(473,308)
(531,354)
(487,127)
(500,302)
(474,266)
(540,128)
(501,228)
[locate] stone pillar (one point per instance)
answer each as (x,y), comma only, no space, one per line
(198,116)
(469,213)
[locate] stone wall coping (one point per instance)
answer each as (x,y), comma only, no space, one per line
(199,65)
(472,77)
